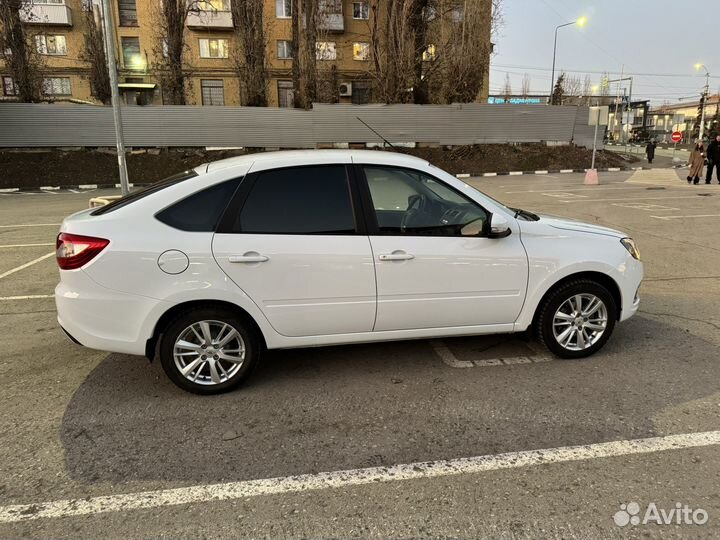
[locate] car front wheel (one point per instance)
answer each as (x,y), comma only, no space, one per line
(577,319)
(208,351)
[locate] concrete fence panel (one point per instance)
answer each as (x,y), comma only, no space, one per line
(58,125)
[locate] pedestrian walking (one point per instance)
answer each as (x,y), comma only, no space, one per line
(697,162)
(650,150)
(713,156)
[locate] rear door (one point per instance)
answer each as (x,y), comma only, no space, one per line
(293,244)
(436,266)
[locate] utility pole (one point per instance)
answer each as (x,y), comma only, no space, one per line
(109,27)
(706,95)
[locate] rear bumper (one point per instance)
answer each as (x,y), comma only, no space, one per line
(99,318)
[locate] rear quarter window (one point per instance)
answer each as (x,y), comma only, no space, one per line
(201,211)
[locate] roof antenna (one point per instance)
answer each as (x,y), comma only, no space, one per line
(376,133)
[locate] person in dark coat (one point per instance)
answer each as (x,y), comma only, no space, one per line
(650,150)
(713,157)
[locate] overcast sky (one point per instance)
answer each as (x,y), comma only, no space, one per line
(650,37)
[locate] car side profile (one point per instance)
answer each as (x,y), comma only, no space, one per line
(322,247)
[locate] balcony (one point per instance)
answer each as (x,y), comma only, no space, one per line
(331,22)
(330,16)
(46,14)
(210,19)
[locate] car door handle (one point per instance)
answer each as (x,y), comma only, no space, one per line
(248,258)
(396,256)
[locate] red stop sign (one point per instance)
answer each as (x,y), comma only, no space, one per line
(677,137)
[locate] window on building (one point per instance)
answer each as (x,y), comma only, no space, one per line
(361,11)
(128,12)
(286,94)
(325,50)
(362,92)
(283,9)
(50,44)
(213,48)
(57,86)
(458,14)
(213,92)
(131,53)
(429,53)
(9,86)
(284,49)
(299,200)
(361,51)
(214,5)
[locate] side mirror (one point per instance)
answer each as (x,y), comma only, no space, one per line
(499,227)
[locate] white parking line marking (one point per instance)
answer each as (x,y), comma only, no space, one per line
(637,199)
(353,477)
(447,356)
(26,265)
(27,297)
(30,225)
(644,206)
(25,245)
(686,217)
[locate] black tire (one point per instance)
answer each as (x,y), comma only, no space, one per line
(194,315)
(556,298)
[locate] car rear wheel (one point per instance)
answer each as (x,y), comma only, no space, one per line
(576,319)
(208,351)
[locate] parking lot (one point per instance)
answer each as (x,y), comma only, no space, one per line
(79,424)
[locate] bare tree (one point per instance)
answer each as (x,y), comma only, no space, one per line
(305,20)
(525,91)
(250,60)
(21,57)
(572,86)
(507,88)
(93,53)
(170,48)
(587,90)
(462,50)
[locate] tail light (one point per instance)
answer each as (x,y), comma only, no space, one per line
(75,251)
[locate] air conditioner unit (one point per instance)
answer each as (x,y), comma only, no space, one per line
(346,89)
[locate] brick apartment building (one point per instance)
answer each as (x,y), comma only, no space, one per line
(58,28)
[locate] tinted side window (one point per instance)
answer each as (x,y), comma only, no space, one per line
(300,200)
(408,202)
(201,211)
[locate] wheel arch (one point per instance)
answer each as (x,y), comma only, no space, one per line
(602,279)
(170,314)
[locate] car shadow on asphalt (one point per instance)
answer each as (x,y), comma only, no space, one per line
(322,409)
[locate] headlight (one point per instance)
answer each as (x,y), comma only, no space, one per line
(632,248)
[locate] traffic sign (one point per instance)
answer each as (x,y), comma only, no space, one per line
(677,137)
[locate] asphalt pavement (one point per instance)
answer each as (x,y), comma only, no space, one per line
(98,444)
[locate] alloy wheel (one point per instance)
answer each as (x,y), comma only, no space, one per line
(209,352)
(580,322)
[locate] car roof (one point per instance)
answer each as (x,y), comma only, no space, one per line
(288,158)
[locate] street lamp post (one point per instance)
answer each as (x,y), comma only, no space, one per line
(582,21)
(109,28)
(706,94)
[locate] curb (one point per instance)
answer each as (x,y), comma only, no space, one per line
(542,173)
(68,187)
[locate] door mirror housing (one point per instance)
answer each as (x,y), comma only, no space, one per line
(499,226)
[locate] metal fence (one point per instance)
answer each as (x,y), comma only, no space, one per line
(64,125)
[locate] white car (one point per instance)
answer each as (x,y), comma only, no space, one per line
(303,248)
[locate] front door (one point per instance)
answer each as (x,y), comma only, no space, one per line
(435,265)
(294,249)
